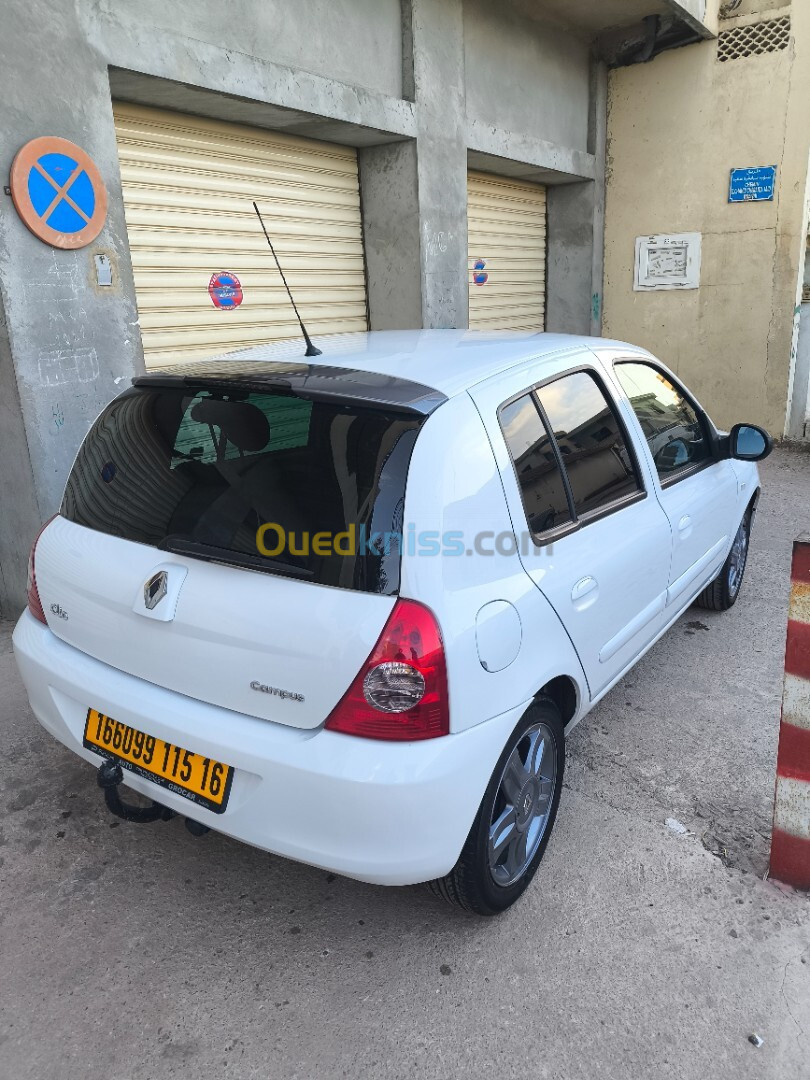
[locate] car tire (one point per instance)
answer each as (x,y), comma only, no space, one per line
(722,593)
(514,822)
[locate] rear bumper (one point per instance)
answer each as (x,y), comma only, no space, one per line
(387,813)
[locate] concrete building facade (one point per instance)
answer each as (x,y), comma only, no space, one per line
(738,100)
(420,91)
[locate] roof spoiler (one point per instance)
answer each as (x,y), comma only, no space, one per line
(313,382)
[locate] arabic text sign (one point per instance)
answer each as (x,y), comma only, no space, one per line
(752,185)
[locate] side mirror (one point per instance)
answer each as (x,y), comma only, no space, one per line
(749,443)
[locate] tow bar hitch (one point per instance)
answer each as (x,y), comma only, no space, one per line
(109,777)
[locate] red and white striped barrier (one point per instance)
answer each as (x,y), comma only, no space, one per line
(790,847)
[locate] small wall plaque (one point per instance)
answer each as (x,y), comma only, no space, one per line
(103,269)
(667,261)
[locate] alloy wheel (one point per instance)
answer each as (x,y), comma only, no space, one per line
(522,804)
(737,559)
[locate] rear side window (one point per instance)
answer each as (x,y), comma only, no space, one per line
(266,480)
(541,483)
(591,441)
(570,452)
(670,422)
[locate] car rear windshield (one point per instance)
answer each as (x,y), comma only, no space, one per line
(265,480)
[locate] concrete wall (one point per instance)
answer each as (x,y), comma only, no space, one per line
(71,345)
(19,514)
(357,42)
(668,171)
(798,427)
(799,420)
(390,77)
(753,7)
(524,76)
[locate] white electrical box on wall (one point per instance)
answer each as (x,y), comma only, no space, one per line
(667,261)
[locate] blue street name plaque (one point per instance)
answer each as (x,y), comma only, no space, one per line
(755,184)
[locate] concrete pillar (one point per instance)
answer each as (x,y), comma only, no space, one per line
(68,346)
(570,292)
(392,235)
(576,226)
(437,28)
(597,145)
(414,193)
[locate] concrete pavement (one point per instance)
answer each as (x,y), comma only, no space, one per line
(639,952)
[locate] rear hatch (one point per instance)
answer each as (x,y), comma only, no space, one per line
(230,532)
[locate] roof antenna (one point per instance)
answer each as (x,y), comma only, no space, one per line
(311,349)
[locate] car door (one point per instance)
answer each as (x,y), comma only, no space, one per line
(697,490)
(590,535)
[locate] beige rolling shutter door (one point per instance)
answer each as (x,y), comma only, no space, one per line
(507,234)
(188,187)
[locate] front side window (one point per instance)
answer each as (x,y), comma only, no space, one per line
(670,423)
(591,440)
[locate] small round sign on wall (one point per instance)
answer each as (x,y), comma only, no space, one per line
(480,276)
(225,290)
(58,192)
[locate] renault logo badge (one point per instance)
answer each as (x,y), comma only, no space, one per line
(155,589)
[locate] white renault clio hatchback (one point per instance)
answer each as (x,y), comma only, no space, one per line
(346,608)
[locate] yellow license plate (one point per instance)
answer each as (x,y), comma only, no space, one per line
(200,779)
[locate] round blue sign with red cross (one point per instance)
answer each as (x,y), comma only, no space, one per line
(480,277)
(225,290)
(58,192)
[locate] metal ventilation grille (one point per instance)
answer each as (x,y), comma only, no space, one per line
(762,37)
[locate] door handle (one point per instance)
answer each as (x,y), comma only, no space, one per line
(684,523)
(583,587)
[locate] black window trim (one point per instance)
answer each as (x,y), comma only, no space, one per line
(579,521)
(710,433)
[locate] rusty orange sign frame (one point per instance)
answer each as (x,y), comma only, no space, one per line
(26,160)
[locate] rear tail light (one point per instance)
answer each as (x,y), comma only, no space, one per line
(400,693)
(34,602)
